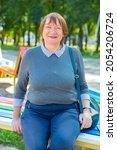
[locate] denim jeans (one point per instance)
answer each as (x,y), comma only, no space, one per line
(58,122)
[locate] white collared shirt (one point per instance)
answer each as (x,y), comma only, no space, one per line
(48,53)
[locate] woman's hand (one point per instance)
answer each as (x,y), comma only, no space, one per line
(16,122)
(85,119)
(16,125)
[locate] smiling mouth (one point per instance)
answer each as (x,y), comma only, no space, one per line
(53,37)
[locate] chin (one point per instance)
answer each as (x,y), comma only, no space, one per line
(53,42)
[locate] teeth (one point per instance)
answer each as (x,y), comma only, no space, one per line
(52,37)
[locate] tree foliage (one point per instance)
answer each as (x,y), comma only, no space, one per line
(20,16)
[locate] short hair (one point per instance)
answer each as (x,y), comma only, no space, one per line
(55,17)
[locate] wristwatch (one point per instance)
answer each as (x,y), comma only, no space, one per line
(87,109)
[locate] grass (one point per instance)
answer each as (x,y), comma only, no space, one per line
(89,53)
(9,47)
(10,138)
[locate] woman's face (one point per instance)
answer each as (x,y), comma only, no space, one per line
(52,32)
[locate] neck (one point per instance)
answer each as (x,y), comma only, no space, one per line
(52,47)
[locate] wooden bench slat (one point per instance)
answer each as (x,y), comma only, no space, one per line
(6,121)
(6,107)
(6,100)
(6,114)
(88,138)
(8,69)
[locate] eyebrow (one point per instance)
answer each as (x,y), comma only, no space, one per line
(50,25)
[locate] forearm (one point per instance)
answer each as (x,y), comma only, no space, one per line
(85,103)
(17,112)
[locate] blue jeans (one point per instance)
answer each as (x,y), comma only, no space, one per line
(58,122)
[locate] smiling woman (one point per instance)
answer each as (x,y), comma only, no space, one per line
(52,35)
(52,108)
(54,26)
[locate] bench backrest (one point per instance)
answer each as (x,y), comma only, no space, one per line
(19,58)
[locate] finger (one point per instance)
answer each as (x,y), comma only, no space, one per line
(82,126)
(81,118)
(83,123)
(88,123)
(19,128)
(15,128)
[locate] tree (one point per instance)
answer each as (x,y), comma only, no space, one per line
(25,15)
(81,13)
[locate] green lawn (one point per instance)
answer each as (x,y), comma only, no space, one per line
(90,53)
(9,47)
(10,138)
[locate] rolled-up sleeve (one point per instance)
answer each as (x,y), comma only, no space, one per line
(18,102)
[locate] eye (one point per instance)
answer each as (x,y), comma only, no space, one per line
(59,28)
(48,27)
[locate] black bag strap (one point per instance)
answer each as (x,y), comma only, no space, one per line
(77,81)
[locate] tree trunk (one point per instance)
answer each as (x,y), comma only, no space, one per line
(28,42)
(15,37)
(23,34)
(98,42)
(36,34)
(18,40)
(81,38)
(86,41)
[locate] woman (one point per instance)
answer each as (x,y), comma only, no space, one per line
(51,110)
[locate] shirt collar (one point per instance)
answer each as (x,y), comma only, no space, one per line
(49,53)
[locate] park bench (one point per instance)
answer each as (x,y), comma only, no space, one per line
(6,70)
(87,139)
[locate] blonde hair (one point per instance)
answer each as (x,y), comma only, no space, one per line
(55,17)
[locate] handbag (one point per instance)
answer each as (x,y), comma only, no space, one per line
(95,109)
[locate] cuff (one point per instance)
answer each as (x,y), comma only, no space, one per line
(18,102)
(85,96)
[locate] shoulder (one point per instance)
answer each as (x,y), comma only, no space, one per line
(76,52)
(32,51)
